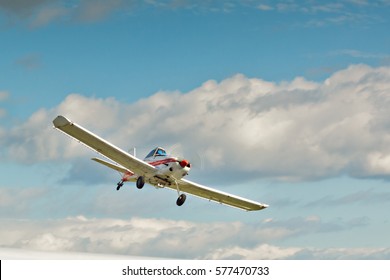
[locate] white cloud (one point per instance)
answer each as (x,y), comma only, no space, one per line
(343,253)
(31,61)
(359,54)
(18,202)
(264,7)
(22,254)
(48,14)
(22,7)
(3,95)
(171,239)
(359,2)
(272,252)
(362,197)
(263,252)
(42,12)
(91,11)
(297,130)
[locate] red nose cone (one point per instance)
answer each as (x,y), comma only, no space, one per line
(184,163)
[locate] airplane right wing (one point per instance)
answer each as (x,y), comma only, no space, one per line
(219,196)
(103,147)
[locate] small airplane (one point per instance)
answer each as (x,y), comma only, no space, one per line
(157,169)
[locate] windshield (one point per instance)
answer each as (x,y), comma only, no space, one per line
(157,152)
(161,152)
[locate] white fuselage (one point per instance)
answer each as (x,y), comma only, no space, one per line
(169,167)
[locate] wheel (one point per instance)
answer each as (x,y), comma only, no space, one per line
(181,199)
(140,182)
(119,185)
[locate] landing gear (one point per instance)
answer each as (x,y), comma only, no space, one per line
(181,199)
(119,185)
(140,182)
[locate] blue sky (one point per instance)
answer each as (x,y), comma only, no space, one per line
(285,101)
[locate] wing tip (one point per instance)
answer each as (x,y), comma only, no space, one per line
(61,121)
(261,207)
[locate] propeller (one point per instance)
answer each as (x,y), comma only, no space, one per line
(186,157)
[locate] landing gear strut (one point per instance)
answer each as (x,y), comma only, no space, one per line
(181,199)
(119,185)
(140,182)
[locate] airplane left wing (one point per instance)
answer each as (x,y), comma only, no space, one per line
(218,196)
(103,147)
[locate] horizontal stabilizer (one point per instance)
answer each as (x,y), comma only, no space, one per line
(111,165)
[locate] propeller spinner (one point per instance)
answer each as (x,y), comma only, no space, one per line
(185,163)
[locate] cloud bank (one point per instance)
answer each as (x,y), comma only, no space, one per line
(162,238)
(243,127)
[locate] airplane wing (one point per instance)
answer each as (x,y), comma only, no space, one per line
(218,196)
(103,147)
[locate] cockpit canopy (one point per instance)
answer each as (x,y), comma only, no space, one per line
(157,152)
